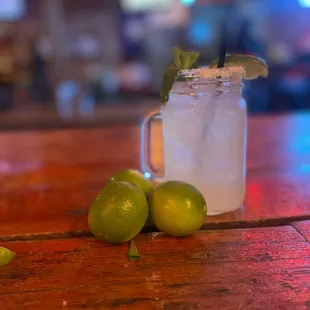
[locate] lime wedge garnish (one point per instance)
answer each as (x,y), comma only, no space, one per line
(133,253)
(254,66)
(6,256)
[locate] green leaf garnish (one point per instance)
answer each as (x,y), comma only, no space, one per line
(6,256)
(182,60)
(133,253)
(169,77)
(189,59)
(177,55)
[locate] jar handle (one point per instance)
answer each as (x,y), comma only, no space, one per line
(147,166)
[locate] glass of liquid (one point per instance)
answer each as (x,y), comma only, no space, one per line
(204,136)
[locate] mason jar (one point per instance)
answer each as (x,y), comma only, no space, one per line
(204,136)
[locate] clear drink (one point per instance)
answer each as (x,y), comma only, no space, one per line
(204,130)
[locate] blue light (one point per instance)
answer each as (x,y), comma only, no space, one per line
(147,175)
(200,33)
(305,168)
(304,3)
(187,2)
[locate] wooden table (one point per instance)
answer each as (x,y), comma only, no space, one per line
(255,258)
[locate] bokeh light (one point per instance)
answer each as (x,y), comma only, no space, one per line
(304,3)
(188,2)
(200,33)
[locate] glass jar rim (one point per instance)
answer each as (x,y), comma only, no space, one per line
(211,74)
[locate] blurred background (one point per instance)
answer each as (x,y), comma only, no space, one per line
(77,62)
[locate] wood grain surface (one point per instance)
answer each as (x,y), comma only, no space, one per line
(49,179)
(303,228)
(257,268)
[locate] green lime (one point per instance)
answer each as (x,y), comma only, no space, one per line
(135,177)
(254,66)
(118,213)
(177,208)
(6,256)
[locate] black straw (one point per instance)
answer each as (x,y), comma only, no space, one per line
(223,48)
(222,56)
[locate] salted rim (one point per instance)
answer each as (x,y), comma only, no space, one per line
(208,73)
